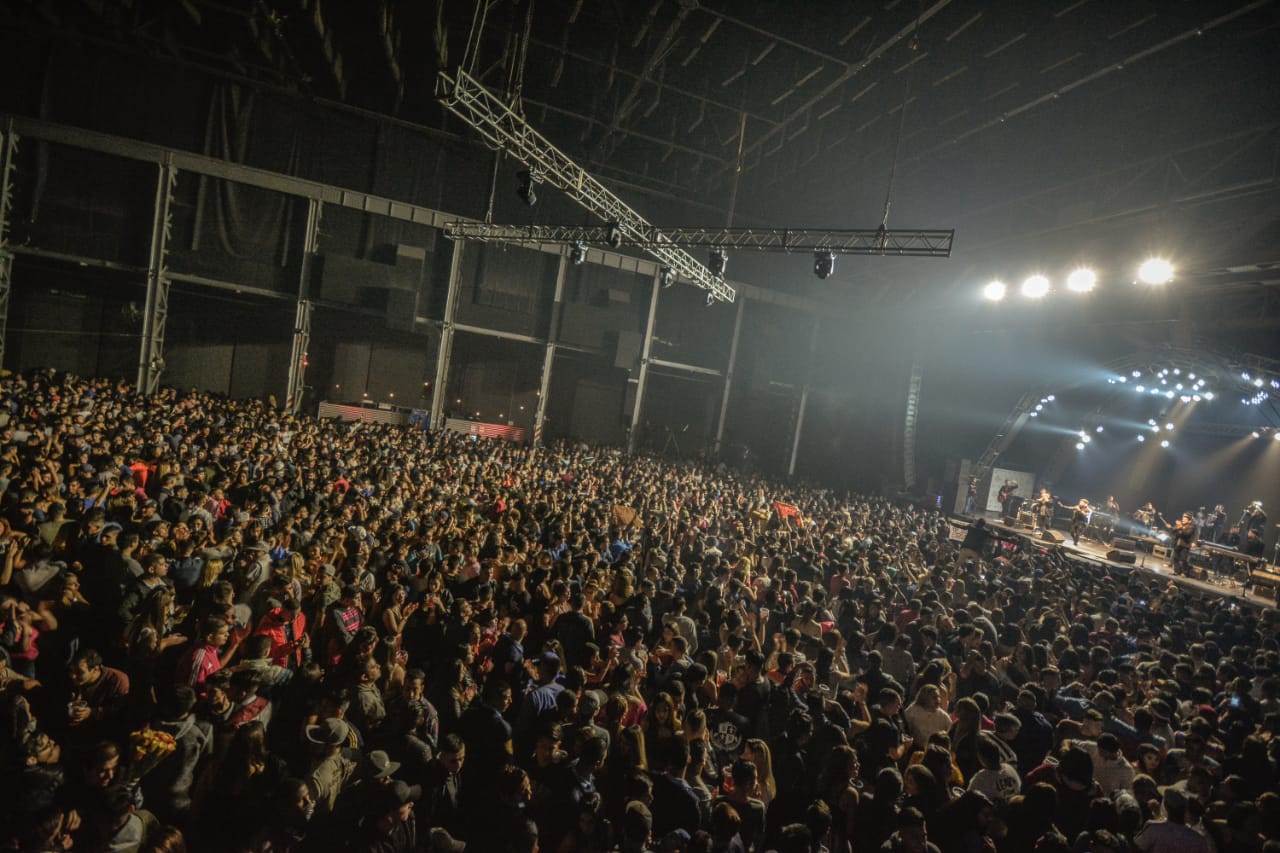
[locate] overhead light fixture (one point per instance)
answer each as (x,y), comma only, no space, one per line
(1257,434)
(667,277)
(525,189)
(711,298)
(1164,443)
(1079,445)
(1035,287)
(578,254)
(614,235)
(1082,280)
(1099,429)
(1141,438)
(1155,271)
(717,262)
(824,263)
(994,291)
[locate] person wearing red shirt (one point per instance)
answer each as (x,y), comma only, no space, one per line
(204,658)
(286,626)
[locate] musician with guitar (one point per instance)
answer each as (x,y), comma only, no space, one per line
(1006,498)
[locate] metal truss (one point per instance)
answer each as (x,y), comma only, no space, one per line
(504,129)
(909,426)
(156,316)
(8,152)
(302,311)
(849,241)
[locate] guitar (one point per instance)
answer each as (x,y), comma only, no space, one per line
(1006,492)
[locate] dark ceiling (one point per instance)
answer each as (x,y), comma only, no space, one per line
(1043,132)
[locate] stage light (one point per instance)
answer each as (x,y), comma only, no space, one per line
(1257,383)
(1208,395)
(1034,414)
(1184,398)
(614,235)
(719,260)
(1169,394)
(824,263)
(1276,436)
(1082,280)
(1245,376)
(994,291)
(525,189)
(1141,438)
(1139,389)
(1177,372)
(1086,439)
(1039,407)
(1099,429)
(1151,421)
(1051,398)
(1178,386)
(1155,271)
(1155,427)
(1079,445)
(1168,426)
(578,254)
(667,277)
(1035,287)
(1137,374)
(1256,434)
(711,299)
(1164,443)
(1196,397)
(1122,379)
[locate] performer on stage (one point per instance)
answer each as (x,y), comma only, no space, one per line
(1214,523)
(971,496)
(1184,533)
(1256,521)
(1079,519)
(1006,497)
(1044,510)
(1112,511)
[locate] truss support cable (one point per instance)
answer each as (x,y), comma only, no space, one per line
(8,153)
(804,401)
(444,354)
(302,314)
(156,312)
(909,426)
(643,375)
(728,373)
(549,355)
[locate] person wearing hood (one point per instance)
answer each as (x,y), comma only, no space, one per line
(168,787)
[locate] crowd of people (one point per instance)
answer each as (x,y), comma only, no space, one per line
(226,628)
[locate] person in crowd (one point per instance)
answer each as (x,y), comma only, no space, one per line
(228,627)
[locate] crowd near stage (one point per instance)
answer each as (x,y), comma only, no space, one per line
(1215,569)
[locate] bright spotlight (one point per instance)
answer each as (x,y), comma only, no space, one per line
(1196,397)
(1035,287)
(1257,383)
(994,291)
(1276,436)
(1139,389)
(1164,443)
(1086,439)
(1155,271)
(1122,379)
(1184,398)
(1245,376)
(1051,398)
(1155,427)
(1257,434)
(1208,395)
(1137,374)
(1079,445)
(1141,438)
(1099,429)
(1035,414)
(1082,280)
(1168,426)
(1039,407)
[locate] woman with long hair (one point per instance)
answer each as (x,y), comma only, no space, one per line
(757,752)
(837,787)
(964,736)
(663,720)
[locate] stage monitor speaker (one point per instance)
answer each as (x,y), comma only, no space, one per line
(1123,543)
(1052,536)
(1116,556)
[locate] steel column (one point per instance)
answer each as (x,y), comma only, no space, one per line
(8,151)
(644,363)
(549,356)
(804,402)
(302,316)
(728,373)
(156,314)
(445,353)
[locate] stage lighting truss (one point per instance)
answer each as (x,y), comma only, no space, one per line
(504,129)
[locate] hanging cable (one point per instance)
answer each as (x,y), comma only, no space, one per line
(472,53)
(902,117)
(516,92)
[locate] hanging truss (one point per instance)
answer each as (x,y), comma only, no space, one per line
(909,426)
(502,128)
(867,241)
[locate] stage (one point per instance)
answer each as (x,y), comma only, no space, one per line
(1151,565)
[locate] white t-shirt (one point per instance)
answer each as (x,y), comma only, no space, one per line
(998,783)
(1114,774)
(922,723)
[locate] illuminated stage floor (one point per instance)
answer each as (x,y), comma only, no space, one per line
(1149,564)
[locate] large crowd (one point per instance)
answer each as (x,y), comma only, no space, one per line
(227,628)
